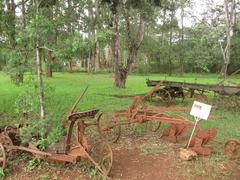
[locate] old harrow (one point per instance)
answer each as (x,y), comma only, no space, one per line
(76,143)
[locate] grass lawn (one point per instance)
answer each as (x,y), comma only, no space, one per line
(68,86)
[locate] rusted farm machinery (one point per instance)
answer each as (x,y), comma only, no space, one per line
(168,90)
(76,143)
(137,112)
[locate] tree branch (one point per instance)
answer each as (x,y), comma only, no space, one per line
(44,47)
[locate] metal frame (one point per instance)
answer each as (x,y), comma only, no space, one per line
(137,112)
(80,148)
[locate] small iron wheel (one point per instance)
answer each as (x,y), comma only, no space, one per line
(6,141)
(112,134)
(165,95)
(102,154)
(2,156)
(152,125)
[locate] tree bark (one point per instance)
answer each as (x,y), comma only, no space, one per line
(170,46)
(182,49)
(121,73)
(70,66)
(132,53)
(116,48)
(49,64)
(10,24)
(40,83)
(96,26)
(230,19)
(170,55)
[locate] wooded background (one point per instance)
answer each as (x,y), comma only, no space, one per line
(118,36)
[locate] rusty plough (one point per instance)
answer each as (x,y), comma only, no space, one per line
(76,143)
(137,112)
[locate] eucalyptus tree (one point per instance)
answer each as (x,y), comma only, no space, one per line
(230,20)
(128,12)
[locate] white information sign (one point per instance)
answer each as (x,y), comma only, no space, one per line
(200,110)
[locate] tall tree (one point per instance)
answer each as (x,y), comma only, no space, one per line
(230,11)
(119,8)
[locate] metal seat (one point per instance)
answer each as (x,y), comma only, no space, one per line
(85,114)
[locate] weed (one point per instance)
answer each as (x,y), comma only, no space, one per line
(44,176)
(2,173)
(93,172)
(154,149)
(55,177)
(33,163)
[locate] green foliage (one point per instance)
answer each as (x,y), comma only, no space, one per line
(2,173)
(27,101)
(33,163)
(45,177)
(74,46)
(41,132)
(15,65)
(39,27)
(103,37)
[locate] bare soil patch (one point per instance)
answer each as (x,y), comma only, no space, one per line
(139,156)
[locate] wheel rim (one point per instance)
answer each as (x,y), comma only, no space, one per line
(102,154)
(112,134)
(165,96)
(6,141)
(2,156)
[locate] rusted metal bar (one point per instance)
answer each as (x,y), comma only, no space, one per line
(73,109)
(221,89)
(173,108)
(33,151)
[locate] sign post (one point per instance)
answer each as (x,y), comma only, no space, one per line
(199,111)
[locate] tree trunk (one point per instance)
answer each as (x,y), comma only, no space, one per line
(122,73)
(169,55)
(230,20)
(96,27)
(116,49)
(70,66)
(170,47)
(40,83)
(97,57)
(182,49)
(49,64)
(107,56)
(11,26)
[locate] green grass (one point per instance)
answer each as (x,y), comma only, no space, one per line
(69,86)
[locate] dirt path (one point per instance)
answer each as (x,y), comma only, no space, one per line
(139,157)
(131,164)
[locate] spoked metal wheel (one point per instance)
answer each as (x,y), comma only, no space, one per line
(164,95)
(109,131)
(2,156)
(152,126)
(102,154)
